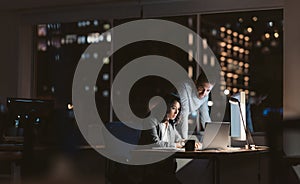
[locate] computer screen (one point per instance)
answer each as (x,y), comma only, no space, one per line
(237,116)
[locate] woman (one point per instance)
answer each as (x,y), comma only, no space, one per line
(163,132)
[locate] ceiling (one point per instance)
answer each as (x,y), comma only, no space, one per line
(19,5)
(13,5)
(160,6)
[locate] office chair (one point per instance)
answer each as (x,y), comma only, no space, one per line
(284,150)
(118,172)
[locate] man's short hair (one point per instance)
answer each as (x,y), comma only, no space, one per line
(202,78)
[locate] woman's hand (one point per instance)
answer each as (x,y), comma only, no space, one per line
(180,144)
(198,145)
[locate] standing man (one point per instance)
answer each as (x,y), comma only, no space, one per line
(194,100)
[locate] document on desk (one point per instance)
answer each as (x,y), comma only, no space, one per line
(165,148)
(228,149)
(197,149)
(233,148)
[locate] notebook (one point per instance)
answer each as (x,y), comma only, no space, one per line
(216,135)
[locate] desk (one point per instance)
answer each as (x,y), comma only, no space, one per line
(215,156)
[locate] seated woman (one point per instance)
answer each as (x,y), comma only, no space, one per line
(163,132)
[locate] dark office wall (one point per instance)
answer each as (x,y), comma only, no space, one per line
(8,55)
(291,99)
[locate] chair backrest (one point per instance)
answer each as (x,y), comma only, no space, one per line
(124,133)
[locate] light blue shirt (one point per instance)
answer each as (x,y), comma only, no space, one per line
(190,103)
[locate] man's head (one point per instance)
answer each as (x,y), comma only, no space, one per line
(203,85)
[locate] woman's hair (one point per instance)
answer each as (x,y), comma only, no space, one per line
(202,78)
(169,99)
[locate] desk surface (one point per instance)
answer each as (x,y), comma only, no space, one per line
(219,153)
(181,153)
(225,151)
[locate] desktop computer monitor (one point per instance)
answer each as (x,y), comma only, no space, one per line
(34,114)
(237,129)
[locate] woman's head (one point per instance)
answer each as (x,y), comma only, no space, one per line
(173,107)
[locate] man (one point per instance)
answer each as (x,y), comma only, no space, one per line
(194,100)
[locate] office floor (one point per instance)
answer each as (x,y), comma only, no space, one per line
(82,167)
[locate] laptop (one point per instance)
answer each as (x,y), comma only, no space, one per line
(216,135)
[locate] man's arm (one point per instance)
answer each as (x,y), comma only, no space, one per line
(182,126)
(204,113)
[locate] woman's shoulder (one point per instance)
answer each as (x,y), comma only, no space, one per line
(154,121)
